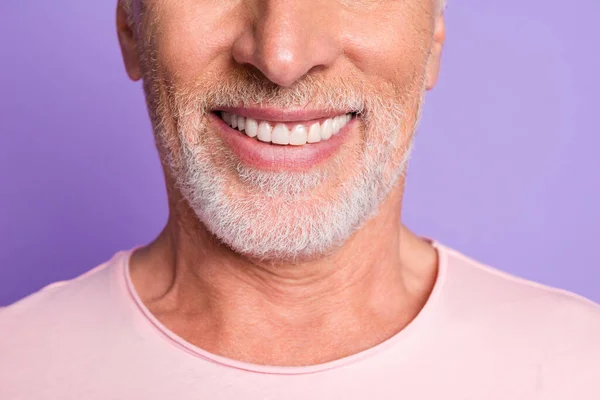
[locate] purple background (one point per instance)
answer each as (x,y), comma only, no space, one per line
(505,170)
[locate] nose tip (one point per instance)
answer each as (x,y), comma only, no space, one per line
(283,65)
(285,43)
(281,61)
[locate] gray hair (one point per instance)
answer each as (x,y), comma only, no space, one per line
(127,5)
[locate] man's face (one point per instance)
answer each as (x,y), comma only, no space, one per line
(342,80)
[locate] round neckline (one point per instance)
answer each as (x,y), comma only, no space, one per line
(289,370)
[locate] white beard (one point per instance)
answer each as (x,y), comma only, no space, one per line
(276,218)
(288,216)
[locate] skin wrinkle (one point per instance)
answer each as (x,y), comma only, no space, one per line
(258,94)
(128,6)
(268,267)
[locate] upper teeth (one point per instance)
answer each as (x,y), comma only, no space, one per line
(279,133)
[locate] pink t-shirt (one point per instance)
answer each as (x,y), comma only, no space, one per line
(483,335)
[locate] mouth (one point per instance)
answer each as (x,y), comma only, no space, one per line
(292,133)
(283,139)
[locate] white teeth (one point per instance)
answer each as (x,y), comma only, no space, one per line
(264,132)
(314,134)
(280,133)
(298,136)
(241,123)
(251,127)
(326,129)
(336,125)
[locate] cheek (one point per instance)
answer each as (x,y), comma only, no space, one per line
(391,44)
(192,36)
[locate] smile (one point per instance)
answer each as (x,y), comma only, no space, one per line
(275,139)
(288,133)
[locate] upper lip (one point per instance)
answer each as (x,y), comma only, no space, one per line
(281,115)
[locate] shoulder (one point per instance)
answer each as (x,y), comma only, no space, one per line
(67,332)
(517,323)
(498,293)
(501,288)
(58,331)
(542,319)
(60,295)
(60,310)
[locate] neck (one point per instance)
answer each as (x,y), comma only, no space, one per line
(286,314)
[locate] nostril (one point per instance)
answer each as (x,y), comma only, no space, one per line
(281,61)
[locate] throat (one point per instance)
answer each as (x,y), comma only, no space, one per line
(285,316)
(291,323)
(287,332)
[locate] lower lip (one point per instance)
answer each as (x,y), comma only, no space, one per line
(269,156)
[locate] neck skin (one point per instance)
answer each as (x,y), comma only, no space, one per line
(286,315)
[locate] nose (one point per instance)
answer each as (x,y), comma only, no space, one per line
(288,38)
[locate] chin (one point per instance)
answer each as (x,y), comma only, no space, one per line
(264,229)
